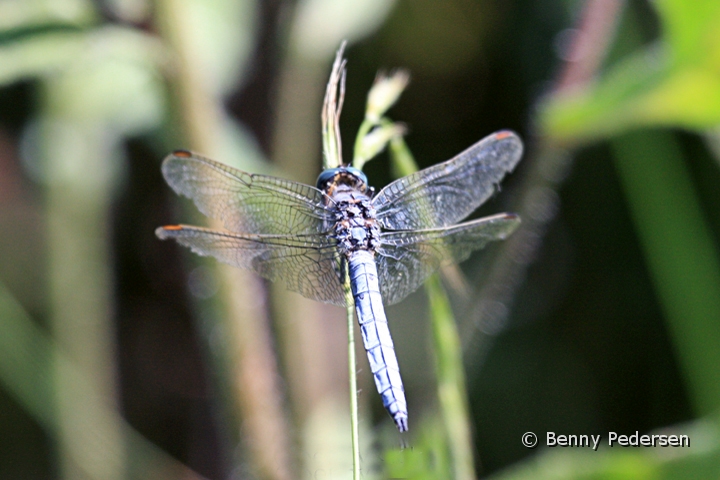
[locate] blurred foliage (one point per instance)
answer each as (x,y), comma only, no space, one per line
(673,81)
(97,318)
(612,463)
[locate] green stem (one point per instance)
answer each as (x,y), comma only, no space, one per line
(349,303)
(447,349)
(364,129)
(451,379)
(682,259)
(249,350)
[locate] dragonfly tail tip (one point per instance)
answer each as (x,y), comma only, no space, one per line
(402,422)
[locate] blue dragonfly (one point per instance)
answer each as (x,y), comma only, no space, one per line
(308,237)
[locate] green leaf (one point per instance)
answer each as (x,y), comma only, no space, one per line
(606,108)
(26,14)
(698,461)
(680,252)
(113,79)
(38,55)
(320,25)
(675,82)
(107,75)
(691,29)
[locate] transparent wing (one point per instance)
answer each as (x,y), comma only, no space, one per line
(244,202)
(406,258)
(305,263)
(446,193)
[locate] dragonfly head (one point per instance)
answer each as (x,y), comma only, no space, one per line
(352,177)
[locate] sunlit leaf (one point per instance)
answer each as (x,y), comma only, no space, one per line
(320,25)
(675,82)
(691,29)
(216,37)
(25,14)
(38,55)
(114,80)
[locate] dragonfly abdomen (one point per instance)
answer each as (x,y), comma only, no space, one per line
(376,335)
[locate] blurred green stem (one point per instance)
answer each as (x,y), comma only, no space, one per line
(352,373)
(451,379)
(679,250)
(447,348)
(403,162)
(364,129)
(30,361)
(255,380)
(77,199)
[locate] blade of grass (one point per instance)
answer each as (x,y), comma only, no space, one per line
(250,352)
(352,373)
(684,262)
(332,158)
(80,286)
(31,364)
(447,349)
(451,379)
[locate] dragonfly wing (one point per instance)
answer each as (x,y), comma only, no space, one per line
(406,258)
(446,193)
(305,263)
(244,202)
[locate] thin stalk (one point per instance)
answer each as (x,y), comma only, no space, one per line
(332,157)
(447,348)
(80,286)
(254,378)
(451,380)
(352,374)
(537,201)
(683,262)
(364,129)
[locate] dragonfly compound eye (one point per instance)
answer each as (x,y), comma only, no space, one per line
(342,175)
(325,177)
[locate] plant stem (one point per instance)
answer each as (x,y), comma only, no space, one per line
(349,303)
(683,263)
(364,129)
(537,198)
(254,379)
(449,370)
(451,380)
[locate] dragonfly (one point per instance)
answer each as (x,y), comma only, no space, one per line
(311,237)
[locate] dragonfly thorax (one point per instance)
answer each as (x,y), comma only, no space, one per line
(355,226)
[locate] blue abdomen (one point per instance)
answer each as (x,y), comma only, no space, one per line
(376,335)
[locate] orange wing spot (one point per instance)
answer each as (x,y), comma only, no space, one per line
(182,153)
(172,227)
(503,134)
